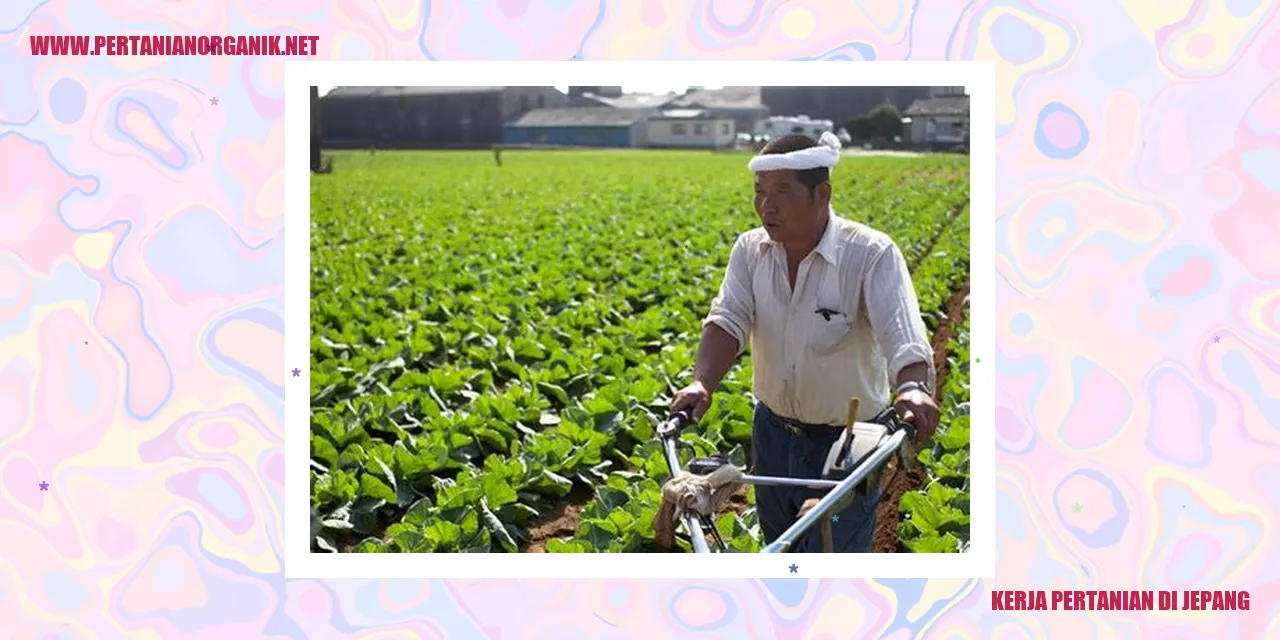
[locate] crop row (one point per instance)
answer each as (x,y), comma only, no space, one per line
(936,517)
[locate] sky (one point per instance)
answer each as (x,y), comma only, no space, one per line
(626,89)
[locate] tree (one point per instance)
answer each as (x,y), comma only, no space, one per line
(860,129)
(881,124)
(885,122)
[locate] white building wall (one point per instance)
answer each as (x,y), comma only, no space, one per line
(937,129)
(691,133)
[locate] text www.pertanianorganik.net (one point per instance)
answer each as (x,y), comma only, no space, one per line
(173,45)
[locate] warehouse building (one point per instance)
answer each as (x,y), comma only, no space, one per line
(427,117)
(742,105)
(578,127)
(315,128)
(688,129)
(606,92)
(650,101)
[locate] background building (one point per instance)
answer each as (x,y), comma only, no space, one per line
(688,129)
(427,117)
(315,128)
(740,104)
(578,127)
(938,121)
(649,101)
(604,92)
(694,117)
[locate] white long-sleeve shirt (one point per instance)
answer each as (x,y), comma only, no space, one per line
(806,367)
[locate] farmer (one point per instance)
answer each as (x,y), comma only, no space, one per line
(831,313)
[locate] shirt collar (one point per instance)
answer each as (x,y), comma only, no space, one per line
(828,245)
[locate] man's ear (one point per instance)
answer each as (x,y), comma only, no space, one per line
(824,193)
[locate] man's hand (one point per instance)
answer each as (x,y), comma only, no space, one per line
(695,397)
(918,408)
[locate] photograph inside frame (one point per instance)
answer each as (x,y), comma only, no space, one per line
(639,319)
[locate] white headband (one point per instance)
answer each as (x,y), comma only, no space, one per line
(826,154)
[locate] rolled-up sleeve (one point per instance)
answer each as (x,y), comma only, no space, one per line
(894,312)
(733,309)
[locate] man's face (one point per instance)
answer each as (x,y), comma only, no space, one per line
(788,210)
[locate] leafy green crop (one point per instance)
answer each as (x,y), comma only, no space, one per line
(489,343)
(938,515)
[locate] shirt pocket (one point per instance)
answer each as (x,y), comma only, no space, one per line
(827,329)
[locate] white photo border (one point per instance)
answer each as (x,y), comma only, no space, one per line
(977,77)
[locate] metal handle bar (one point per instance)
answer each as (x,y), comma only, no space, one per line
(828,502)
(777,481)
(901,432)
(668,431)
(675,424)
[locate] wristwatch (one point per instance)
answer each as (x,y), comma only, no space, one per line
(912,385)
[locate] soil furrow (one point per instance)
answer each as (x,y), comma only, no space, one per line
(896,483)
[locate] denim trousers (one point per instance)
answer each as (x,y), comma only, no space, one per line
(780,449)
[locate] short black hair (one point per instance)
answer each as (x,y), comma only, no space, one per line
(810,178)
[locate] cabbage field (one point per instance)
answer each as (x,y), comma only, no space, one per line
(492,345)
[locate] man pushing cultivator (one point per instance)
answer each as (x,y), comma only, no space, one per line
(842,367)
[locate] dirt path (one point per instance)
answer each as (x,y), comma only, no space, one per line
(895,483)
(561,522)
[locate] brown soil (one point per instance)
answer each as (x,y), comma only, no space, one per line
(562,521)
(895,483)
(737,502)
(947,331)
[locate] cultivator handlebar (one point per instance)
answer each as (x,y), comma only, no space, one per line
(669,432)
(675,424)
(855,459)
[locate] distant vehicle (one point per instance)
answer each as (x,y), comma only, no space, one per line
(782,125)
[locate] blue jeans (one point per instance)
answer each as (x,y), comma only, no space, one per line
(778,451)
